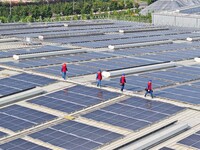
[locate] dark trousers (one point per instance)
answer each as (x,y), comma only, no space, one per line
(99,83)
(122,87)
(150,92)
(64,74)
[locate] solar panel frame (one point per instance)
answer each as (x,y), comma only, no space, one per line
(134,113)
(74,135)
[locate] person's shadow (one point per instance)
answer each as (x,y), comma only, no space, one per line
(148,104)
(100,94)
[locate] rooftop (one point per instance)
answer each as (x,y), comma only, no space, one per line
(38,109)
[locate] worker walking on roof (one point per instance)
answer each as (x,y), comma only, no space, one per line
(99,78)
(122,82)
(149,89)
(64,71)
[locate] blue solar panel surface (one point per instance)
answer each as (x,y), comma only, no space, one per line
(28,63)
(18,118)
(73,99)
(134,113)
(2,134)
(20,144)
(190,70)
(47,48)
(184,93)
(130,40)
(173,55)
(159,78)
(33,79)
(171,76)
(192,140)
(70,30)
(156,49)
(103,44)
(73,135)
(92,67)
(21,82)
(106,37)
(136,83)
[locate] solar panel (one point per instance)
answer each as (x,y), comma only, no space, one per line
(22,82)
(189,70)
(184,93)
(73,135)
(53,60)
(20,144)
(192,140)
(171,75)
(17,117)
(73,99)
(136,83)
(33,79)
(134,113)
(46,48)
(2,134)
(103,44)
(173,55)
(91,67)
(106,37)
(155,49)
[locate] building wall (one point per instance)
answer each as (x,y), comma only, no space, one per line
(176,20)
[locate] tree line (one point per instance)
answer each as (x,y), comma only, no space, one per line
(43,11)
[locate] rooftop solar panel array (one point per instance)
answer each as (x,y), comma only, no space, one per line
(170,76)
(27,63)
(92,66)
(188,70)
(20,144)
(35,32)
(173,56)
(73,135)
(34,79)
(160,79)
(17,118)
(134,113)
(73,99)
(47,48)
(21,82)
(184,93)
(192,141)
(156,49)
(103,44)
(136,83)
(107,37)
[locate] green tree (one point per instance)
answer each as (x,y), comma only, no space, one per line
(3,19)
(86,8)
(149,2)
(68,9)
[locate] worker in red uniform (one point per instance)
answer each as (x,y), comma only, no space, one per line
(122,82)
(99,78)
(149,89)
(64,70)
